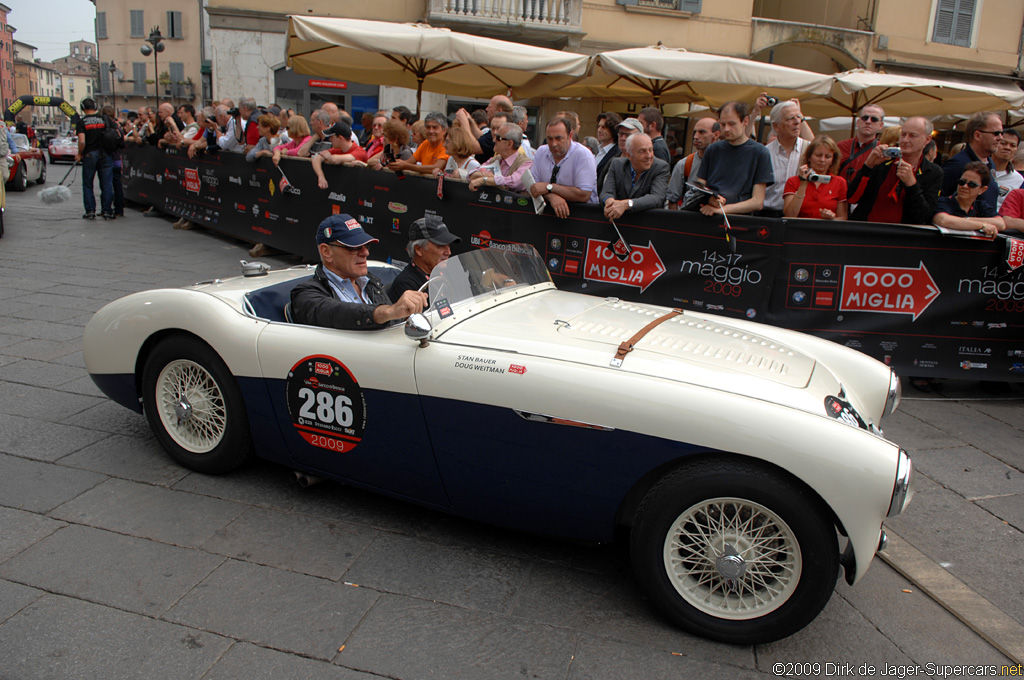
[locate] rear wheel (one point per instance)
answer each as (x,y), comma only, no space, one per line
(20,181)
(195,406)
(735,552)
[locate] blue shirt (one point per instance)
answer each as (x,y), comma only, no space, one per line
(346,290)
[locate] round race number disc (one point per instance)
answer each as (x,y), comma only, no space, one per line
(326,405)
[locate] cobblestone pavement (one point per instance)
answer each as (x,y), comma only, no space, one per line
(117,563)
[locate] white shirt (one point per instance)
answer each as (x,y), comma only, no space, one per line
(229,140)
(602,152)
(784,166)
(1007,181)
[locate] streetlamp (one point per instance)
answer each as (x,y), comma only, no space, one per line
(113,94)
(157,42)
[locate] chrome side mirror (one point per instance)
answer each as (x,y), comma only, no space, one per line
(417,327)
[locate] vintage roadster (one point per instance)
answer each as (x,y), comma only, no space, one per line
(745,461)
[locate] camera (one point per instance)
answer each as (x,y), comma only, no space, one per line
(892,152)
(819,178)
(233,112)
(772,101)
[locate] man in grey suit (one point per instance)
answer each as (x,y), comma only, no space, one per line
(636,182)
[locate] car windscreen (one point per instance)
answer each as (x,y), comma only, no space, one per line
(486,272)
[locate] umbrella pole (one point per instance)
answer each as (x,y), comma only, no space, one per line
(419,96)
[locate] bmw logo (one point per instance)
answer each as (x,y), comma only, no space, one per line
(799,297)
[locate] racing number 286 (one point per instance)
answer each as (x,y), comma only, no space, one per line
(329,408)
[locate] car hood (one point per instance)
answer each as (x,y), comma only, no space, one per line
(691,348)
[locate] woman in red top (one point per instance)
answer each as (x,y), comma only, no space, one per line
(819,200)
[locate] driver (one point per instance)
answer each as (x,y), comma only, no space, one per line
(429,243)
(342,293)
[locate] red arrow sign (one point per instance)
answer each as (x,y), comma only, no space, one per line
(888,290)
(640,270)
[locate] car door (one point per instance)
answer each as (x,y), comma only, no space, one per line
(347,406)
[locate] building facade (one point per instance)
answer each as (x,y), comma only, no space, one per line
(963,38)
(7,88)
(35,77)
(173,75)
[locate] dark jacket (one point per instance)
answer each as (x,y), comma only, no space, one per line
(602,167)
(649,191)
(315,303)
(918,201)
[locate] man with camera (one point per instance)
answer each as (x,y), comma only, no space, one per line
(898,185)
(855,150)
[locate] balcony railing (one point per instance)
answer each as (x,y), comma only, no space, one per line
(544,20)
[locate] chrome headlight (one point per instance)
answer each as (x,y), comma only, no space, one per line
(903,489)
(892,400)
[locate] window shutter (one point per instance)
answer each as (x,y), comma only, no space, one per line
(104,77)
(945,14)
(137,23)
(690,6)
(101,25)
(139,76)
(174,25)
(964,22)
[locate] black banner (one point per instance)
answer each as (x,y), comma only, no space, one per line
(927,303)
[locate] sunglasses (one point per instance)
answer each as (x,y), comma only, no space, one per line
(997,133)
(872,119)
(968,183)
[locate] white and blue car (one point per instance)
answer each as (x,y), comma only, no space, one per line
(747,462)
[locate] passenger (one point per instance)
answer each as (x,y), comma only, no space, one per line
(817,199)
(429,243)
(342,293)
(637,182)
(963,211)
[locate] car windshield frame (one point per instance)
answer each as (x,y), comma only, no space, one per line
(482,274)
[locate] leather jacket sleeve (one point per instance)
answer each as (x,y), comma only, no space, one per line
(314,303)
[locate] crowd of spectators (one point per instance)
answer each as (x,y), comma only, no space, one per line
(880,174)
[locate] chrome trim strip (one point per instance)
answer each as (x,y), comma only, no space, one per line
(555,420)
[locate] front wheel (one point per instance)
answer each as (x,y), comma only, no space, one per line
(195,407)
(42,172)
(732,551)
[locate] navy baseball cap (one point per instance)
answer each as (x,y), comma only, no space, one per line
(431,228)
(341,129)
(343,230)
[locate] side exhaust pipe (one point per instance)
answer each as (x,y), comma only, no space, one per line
(305,480)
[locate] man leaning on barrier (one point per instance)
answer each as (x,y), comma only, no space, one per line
(564,171)
(637,182)
(342,293)
(508,166)
(898,184)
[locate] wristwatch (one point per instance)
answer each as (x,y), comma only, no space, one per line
(630,203)
(550,188)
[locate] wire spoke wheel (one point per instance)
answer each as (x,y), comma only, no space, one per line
(195,407)
(735,551)
(732,558)
(191,406)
